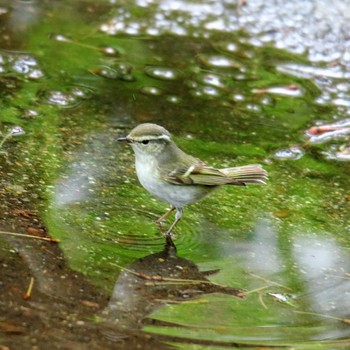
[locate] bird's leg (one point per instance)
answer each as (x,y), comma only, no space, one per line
(178,215)
(164,216)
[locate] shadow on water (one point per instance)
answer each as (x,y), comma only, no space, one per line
(152,282)
(163,301)
(63,302)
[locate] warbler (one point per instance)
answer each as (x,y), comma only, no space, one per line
(176,177)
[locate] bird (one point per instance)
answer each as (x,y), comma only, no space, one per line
(176,177)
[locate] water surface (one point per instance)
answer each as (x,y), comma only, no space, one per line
(233,88)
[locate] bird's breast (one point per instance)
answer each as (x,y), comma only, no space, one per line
(147,173)
(177,195)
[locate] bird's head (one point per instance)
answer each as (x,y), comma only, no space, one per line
(148,139)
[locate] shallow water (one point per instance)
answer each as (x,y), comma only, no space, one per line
(234,85)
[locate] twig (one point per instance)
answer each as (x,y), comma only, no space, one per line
(262,301)
(256,290)
(345,320)
(28,293)
(49,239)
(272,282)
(158,278)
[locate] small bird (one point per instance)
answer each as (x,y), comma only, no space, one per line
(173,176)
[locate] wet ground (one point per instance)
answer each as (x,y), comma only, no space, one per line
(236,83)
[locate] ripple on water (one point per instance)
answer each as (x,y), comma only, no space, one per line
(140,242)
(186,237)
(189,238)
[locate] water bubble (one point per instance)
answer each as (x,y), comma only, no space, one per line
(120,71)
(253,107)
(196,93)
(23,64)
(17,131)
(109,50)
(174,99)
(291,153)
(210,91)
(227,46)
(30,113)
(162,73)
(26,65)
(342,153)
(218,61)
(59,98)
(341,102)
(211,79)
(68,99)
(133,28)
(238,97)
(60,37)
(151,90)
(309,72)
(344,87)
(267,101)
(35,74)
(241,77)
(205,92)
(108,28)
(19,67)
(81,92)
(218,24)
(128,77)
(153,31)
(192,84)
(291,90)
(123,68)
(105,72)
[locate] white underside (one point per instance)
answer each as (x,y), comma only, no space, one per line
(177,195)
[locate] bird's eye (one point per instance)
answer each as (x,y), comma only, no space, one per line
(145,142)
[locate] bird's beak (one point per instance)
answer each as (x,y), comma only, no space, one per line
(124,140)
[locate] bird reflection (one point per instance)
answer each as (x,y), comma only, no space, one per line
(156,280)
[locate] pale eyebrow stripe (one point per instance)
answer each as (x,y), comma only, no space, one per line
(152,137)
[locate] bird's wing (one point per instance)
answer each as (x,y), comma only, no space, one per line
(247,174)
(198,173)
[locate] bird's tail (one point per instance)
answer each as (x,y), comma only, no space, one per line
(246,175)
